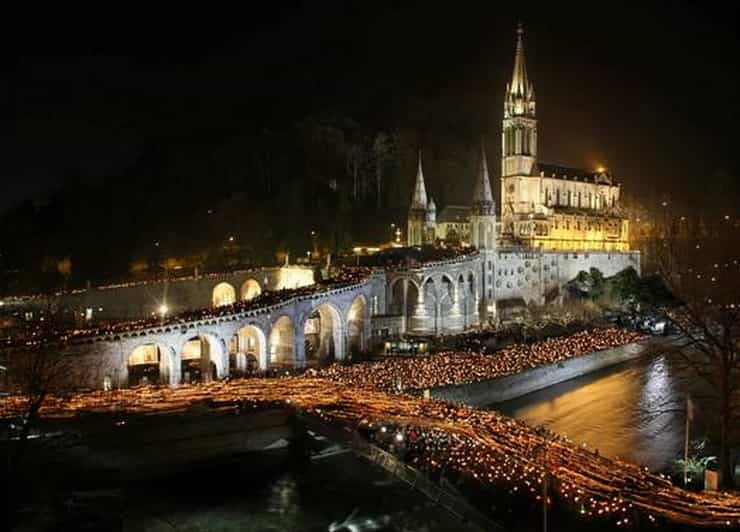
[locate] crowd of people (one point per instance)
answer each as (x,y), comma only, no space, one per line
(483,446)
(394,258)
(456,367)
(39,333)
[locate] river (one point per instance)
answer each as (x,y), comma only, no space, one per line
(634,410)
(283,496)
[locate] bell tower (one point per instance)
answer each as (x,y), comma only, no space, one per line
(518,138)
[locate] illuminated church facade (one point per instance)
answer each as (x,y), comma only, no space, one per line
(554,221)
(543,206)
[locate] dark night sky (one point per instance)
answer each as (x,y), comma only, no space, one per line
(651,91)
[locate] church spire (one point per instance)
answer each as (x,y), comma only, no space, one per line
(419,200)
(482,195)
(520,100)
(519,82)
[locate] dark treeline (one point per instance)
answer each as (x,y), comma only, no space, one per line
(321,185)
(309,118)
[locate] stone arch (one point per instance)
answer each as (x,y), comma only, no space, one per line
(402,303)
(470,285)
(223,294)
(204,358)
(324,335)
(250,289)
(470,298)
(446,301)
(430,311)
(152,363)
(282,343)
(250,351)
(461,299)
(357,317)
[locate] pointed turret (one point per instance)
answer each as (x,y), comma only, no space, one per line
(422,213)
(419,200)
(482,195)
(483,213)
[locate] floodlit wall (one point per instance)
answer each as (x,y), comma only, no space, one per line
(530,275)
(140,300)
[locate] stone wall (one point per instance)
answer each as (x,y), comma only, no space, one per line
(143,299)
(530,274)
(104,360)
(489,392)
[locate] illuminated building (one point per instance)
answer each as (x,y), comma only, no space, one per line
(543,206)
(548,206)
(554,221)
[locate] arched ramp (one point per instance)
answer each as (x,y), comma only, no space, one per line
(357,317)
(223,294)
(282,343)
(324,335)
(204,358)
(250,351)
(153,363)
(250,289)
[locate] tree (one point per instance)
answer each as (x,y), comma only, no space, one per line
(704,279)
(34,375)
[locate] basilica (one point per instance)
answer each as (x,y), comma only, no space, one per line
(543,206)
(554,221)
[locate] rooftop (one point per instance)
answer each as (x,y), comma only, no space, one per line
(454,214)
(575,174)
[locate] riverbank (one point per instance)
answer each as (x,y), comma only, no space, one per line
(491,391)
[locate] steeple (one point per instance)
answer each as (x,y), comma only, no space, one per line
(422,219)
(519,82)
(519,131)
(520,100)
(419,200)
(482,195)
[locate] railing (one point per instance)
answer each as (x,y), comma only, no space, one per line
(181,325)
(145,330)
(453,503)
(422,265)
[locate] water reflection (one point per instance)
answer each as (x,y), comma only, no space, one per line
(632,411)
(282,497)
(339,491)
